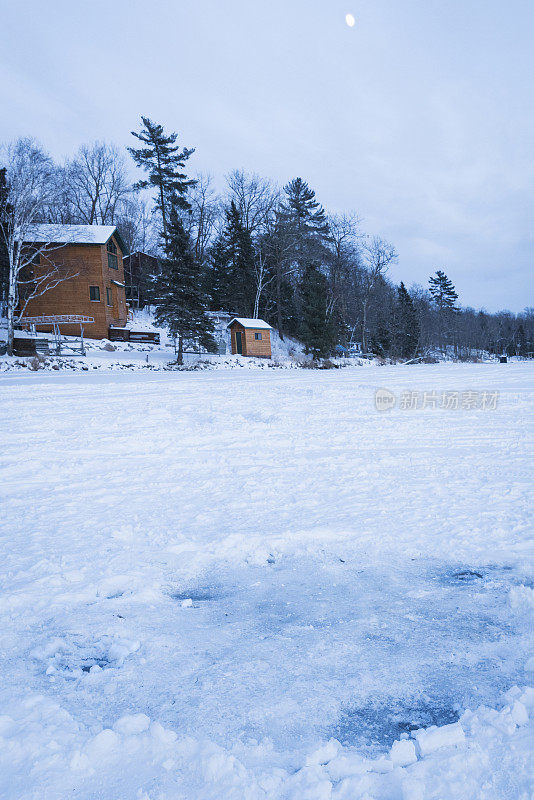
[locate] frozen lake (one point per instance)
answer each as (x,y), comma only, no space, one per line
(259,562)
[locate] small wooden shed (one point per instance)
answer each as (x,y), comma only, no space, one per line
(250,337)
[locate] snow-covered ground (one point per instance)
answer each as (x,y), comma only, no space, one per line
(250,584)
(102,354)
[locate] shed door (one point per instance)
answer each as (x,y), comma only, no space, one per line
(238,343)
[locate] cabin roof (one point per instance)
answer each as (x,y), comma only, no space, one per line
(258,324)
(72,234)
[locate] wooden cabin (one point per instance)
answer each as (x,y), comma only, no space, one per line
(250,337)
(92,255)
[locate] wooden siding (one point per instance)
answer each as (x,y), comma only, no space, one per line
(258,348)
(72,295)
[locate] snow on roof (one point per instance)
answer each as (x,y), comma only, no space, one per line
(250,323)
(70,234)
(141,253)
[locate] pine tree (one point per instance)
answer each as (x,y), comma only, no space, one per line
(303,210)
(315,326)
(218,280)
(381,340)
(302,226)
(407,328)
(232,279)
(241,262)
(444,298)
(181,303)
(164,162)
(305,224)
(443,292)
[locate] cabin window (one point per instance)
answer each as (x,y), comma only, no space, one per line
(257,335)
(109,297)
(113,262)
(94,293)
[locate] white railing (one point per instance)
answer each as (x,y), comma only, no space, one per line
(51,320)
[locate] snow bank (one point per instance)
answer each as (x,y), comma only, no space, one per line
(522,598)
(136,753)
(110,357)
(428,741)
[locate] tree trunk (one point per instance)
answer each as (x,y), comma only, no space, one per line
(279,302)
(257,302)
(162,197)
(11,302)
(10,327)
(163,216)
(180,357)
(364,327)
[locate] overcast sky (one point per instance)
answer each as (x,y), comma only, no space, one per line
(420,118)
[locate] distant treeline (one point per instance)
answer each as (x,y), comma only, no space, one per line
(256,251)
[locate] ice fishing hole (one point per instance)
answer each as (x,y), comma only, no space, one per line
(376,727)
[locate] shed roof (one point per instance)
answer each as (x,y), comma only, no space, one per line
(72,234)
(259,324)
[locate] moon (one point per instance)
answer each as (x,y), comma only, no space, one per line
(350,20)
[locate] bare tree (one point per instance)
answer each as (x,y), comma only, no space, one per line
(135,221)
(29,190)
(264,276)
(345,244)
(95,184)
(255,199)
(202,218)
(378,255)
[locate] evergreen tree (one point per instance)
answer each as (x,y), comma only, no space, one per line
(302,226)
(164,162)
(218,280)
(315,325)
(241,262)
(381,341)
(232,279)
(288,308)
(181,303)
(407,329)
(444,299)
(303,210)
(443,292)
(305,223)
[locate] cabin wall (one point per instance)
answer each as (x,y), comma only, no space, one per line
(117,313)
(258,348)
(72,295)
(251,346)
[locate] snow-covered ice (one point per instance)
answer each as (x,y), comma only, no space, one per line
(251,584)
